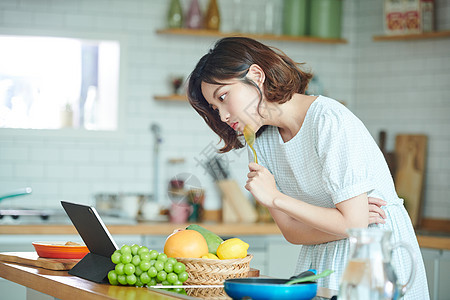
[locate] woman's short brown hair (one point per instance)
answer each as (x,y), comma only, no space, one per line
(231,58)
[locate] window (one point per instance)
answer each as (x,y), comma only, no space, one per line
(53,83)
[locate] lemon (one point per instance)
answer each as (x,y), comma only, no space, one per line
(232,248)
(210,256)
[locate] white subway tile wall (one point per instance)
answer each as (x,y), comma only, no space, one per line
(403,88)
(396,86)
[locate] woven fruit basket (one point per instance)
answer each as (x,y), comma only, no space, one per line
(203,271)
(215,293)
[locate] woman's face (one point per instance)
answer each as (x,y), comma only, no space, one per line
(235,102)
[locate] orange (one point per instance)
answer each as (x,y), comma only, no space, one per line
(186,243)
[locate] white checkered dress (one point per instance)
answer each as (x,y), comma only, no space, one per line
(331,159)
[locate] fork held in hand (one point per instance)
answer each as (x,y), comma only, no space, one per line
(249,136)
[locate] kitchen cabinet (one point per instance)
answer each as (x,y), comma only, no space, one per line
(22,243)
(12,291)
(258,247)
(437,267)
(282,258)
(407,37)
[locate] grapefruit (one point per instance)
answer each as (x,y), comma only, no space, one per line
(186,243)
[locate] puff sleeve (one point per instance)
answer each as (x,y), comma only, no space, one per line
(342,145)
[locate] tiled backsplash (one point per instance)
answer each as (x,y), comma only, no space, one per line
(402,87)
(397,86)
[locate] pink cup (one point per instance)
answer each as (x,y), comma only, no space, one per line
(179,213)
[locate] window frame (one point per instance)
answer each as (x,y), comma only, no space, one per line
(70,133)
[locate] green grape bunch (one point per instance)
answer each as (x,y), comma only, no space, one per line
(139,266)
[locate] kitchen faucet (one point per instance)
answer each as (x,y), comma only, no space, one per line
(15,193)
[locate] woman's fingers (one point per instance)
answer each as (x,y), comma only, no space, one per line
(375,218)
(254,167)
(377,201)
(376,214)
(377,210)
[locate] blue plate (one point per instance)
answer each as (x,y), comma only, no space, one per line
(268,289)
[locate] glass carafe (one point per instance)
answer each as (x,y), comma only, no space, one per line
(369,274)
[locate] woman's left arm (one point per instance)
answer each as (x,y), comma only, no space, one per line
(353,212)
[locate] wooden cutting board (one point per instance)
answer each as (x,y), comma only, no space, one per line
(228,213)
(410,151)
(241,205)
(253,273)
(32,259)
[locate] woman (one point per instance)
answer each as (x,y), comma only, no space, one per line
(320,171)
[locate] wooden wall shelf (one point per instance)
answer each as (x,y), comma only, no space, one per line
(173,97)
(212,33)
(407,37)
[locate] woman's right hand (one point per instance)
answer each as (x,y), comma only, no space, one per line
(261,184)
(376,214)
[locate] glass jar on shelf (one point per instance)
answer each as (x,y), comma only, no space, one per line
(295,17)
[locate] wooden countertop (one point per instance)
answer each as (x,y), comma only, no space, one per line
(61,285)
(428,240)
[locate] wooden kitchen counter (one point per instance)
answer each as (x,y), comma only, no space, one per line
(61,285)
(428,240)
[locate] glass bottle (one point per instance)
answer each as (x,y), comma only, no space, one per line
(175,14)
(212,19)
(194,16)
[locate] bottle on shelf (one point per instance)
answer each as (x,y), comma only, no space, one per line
(175,14)
(212,18)
(194,16)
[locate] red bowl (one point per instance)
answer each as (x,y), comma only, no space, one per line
(60,250)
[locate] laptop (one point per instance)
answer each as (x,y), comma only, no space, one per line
(96,264)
